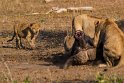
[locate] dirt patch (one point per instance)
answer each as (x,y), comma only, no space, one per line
(43,65)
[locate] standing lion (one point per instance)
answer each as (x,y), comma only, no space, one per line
(28,31)
(84,23)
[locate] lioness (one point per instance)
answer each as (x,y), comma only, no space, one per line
(109,34)
(28,31)
(85,23)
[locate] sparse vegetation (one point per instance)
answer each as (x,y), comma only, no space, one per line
(26,80)
(49,51)
(101,78)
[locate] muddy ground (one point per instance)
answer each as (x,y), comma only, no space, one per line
(43,65)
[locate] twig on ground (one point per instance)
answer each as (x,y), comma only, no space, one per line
(9,77)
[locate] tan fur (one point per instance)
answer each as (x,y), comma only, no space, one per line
(85,23)
(108,33)
(28,31)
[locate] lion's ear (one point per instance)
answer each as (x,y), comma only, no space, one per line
(107,19)
(96,23)
(110,19)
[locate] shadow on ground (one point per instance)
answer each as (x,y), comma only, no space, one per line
(56,59)
(52,38)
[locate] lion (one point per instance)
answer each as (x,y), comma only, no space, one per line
(111,37)
(85,23)
(28,31)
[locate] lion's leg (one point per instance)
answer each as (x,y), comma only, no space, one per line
(113,57)
(28,40)
(17,42)
(20,43)
(121,62)
(34,39)
(107,59)
(33,42)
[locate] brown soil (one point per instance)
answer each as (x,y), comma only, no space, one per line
(43,65)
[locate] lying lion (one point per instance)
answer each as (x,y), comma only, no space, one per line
(28,31)
(109,34)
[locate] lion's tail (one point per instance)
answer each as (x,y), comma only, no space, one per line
(12,37)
